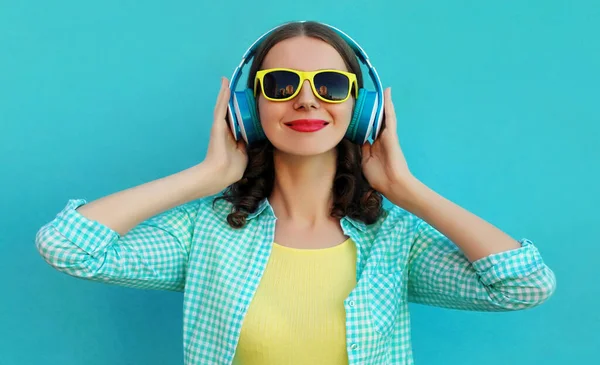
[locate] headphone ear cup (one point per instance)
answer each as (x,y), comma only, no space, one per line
(247,116)
(363,117)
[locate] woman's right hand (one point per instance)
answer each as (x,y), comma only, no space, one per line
(227,156)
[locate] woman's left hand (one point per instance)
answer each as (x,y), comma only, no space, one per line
(383,162)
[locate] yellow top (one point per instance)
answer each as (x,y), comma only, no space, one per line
(297,315)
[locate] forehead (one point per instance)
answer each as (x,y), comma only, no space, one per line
(304,53)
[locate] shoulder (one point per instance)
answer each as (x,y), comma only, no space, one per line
(395,218)
(207,208)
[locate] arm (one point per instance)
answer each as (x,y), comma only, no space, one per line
(458,260)
(125,209)
(139,237)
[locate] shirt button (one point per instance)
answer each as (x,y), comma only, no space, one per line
(354,346)
(351,303)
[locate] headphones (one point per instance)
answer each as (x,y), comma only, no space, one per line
(366,117)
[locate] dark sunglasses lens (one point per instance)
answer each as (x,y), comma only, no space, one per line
(280,84)
(331,85)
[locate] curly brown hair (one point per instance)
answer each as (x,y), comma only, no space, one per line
(352,194)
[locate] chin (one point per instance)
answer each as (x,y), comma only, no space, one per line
(305,148)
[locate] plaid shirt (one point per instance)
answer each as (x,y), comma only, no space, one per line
(192,249)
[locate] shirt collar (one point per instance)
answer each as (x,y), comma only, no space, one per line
(264,206)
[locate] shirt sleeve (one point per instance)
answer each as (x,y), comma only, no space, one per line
(153,255)
(441,275)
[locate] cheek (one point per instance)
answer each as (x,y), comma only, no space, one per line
(271,113)
(342,113)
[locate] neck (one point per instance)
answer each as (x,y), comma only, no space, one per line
(302,190)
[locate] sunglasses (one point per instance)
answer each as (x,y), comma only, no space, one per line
(282,84)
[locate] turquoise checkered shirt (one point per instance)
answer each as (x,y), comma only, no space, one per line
(192,249)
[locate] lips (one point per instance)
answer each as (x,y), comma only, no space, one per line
(307,125)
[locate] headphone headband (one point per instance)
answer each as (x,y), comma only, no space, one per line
(360,53)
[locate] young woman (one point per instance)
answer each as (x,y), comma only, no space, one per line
(297,262)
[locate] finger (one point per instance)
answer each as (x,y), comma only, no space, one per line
(219,96)
(390,113)
(222,100)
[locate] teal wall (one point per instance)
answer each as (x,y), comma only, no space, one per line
(497,106)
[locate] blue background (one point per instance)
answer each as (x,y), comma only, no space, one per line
(497,106)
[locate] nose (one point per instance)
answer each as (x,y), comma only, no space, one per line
(305,98)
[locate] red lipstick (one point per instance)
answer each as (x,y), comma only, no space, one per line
(307,125)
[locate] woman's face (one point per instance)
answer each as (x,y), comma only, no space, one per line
(306,54)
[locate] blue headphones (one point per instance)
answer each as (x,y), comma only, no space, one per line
(366,118)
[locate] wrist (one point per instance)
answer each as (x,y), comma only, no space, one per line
(410,195)
(202,180)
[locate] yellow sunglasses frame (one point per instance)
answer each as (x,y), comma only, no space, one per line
(306,75)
